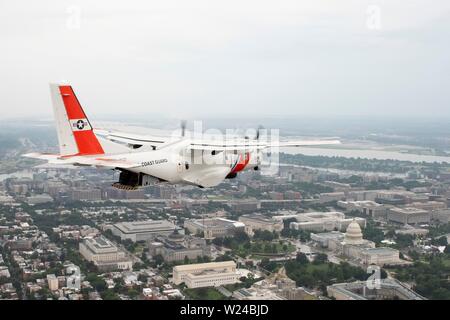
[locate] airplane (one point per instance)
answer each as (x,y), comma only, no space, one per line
(145,160)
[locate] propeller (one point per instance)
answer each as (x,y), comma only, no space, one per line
(258,154)
(183,128)
(258,132)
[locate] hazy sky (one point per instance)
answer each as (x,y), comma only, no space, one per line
(205,58)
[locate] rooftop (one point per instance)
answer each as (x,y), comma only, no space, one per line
(100,245)
(206,266)
(145,226)
(330,235)
(354,290)
(360,203)
(216,222)
(258,217)
(408,210)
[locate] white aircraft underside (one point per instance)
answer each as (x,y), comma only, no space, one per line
(143,159)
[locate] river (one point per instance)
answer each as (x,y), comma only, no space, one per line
(367,154)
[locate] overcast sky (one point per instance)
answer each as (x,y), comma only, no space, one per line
(206,58)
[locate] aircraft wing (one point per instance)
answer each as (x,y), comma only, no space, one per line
(209,144)
(243,145)
(131,139)
(99,162)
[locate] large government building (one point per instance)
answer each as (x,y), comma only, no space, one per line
(321,221)
(214,228)
(387,289)
(408,215)
(143,230)
(177,247)
(259,222)
(211,274)
(351,244)
(104,254)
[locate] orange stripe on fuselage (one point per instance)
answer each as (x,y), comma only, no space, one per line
(86,141)
(242,163)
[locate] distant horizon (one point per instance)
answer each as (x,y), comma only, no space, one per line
(288,117)
(422,129)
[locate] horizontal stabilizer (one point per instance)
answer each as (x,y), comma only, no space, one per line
(42,156)
(100,162)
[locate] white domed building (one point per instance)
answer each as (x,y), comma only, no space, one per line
(352,245)
(354,235)
(352,242)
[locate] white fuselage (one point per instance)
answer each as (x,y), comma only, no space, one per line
(174,165)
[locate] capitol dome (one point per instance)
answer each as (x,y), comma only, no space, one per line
(353,235)
(176,236)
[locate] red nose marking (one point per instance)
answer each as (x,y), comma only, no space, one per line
(242,163)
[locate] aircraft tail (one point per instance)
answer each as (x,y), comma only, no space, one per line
(75,134)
